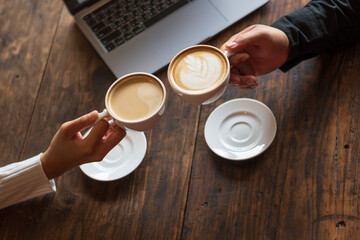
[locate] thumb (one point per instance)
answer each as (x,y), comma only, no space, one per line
(74,126)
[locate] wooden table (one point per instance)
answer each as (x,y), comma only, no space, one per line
(305,186)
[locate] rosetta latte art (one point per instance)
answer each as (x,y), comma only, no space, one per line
(200,70)
(196,66)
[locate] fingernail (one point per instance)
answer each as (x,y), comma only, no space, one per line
(252,83)
(232,44)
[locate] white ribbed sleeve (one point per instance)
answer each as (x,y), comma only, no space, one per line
(23,180)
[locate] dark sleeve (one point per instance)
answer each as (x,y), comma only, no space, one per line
(319,26)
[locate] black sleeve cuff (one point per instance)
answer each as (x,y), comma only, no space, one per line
(298,32)
(319,26)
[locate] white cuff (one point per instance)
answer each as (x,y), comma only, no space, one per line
(22,181)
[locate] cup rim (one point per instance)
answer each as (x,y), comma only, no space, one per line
(174,85)
(116,117)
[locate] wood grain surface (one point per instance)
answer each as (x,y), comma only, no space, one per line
(27,31)
(304,186)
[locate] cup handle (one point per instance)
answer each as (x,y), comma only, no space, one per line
(102,115)
(106,114)
(228,54)
(112,122)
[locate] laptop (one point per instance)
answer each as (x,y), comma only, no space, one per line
(144,35)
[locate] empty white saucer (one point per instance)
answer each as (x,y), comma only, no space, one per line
(240,129)
(123,159)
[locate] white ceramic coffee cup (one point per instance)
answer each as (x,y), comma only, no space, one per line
(141,124)
(208,95)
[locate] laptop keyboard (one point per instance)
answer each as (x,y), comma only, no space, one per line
(120,20)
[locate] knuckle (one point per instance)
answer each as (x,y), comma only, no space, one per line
(89,151)
(64,126)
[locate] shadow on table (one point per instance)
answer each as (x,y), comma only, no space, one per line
(112,190)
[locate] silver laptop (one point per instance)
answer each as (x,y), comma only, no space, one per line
(144,35)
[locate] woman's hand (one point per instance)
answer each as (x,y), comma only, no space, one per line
(69,148)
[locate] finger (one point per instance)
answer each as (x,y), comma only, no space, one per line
(114,135)
(241,62)
(243,32)
(74,126)
(250,37)
(234,70)
(230,40)
(238,35)
(250,28)
(243,82)
(96,134)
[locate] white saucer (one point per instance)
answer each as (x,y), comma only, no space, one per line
(123,159)
(240,129)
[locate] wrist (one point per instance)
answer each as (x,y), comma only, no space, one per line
(51,167)
(45,166)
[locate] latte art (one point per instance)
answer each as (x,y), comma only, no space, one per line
(199,74)
(200,69)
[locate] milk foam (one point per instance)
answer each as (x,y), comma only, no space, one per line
(136,98)
(199,70)
(151,95)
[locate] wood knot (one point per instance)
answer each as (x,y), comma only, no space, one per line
(205,205)
(341,224)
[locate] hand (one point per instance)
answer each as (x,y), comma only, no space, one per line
(259,50)
(68,148)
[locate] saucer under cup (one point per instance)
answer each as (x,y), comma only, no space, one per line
(240,129)
(123,159)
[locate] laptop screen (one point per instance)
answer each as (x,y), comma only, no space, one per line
(75,6)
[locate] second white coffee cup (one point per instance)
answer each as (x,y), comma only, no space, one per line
(199,74)
(135,101)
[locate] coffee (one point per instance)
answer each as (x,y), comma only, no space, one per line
(198,68)
(136,97)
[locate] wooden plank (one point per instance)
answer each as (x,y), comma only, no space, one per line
(346,184)
(26,34)
(148,204)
